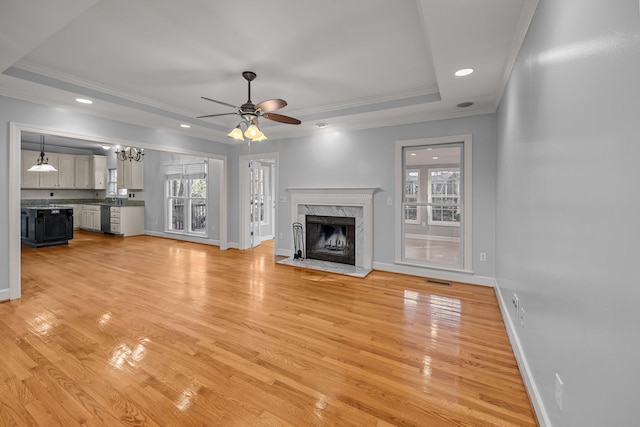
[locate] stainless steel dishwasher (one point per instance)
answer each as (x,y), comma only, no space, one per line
(105,219)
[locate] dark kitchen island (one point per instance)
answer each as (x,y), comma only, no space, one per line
(46,225)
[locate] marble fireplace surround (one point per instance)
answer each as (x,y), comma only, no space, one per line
(343,202)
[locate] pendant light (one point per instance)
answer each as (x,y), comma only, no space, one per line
(42,164)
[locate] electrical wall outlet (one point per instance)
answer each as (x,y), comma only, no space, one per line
(483,256)
(516,303)
(389,201)
(558,391)
(522,316)
(280,236)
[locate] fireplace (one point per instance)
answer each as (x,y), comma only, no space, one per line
(346,204)
(331,238)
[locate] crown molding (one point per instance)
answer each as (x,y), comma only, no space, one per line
(528,10)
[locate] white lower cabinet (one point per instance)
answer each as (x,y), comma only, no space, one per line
(127,220)
(90,217)
(77,216)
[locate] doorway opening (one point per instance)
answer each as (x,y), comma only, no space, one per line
(258,188)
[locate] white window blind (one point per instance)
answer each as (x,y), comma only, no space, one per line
(186,171)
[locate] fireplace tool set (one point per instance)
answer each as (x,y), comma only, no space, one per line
(298,241)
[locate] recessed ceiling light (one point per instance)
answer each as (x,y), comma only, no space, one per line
(464,72)
(106,147)
(412,154)
(184,125)
(322,125)
(464,104)
(84,101)
(435,157)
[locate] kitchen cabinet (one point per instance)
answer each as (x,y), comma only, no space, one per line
(63,178)
(91,172)
(48,179)
(90,217)
(46,225)
(127,220)
(29,179)
(99,171)
(130,175)
(81,172)
(77,216)
(66,171)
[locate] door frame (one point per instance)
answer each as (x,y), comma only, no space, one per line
(466,166)
(244,188)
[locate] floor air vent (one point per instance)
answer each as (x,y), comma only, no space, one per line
(437,282)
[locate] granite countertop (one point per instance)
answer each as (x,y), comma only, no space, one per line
(65,203)
(51,207)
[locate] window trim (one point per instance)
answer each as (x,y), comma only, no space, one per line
(416,197)
(187,198)
(431,205)
(466,227)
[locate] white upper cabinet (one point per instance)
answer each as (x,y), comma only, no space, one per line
(130,174)
(29,179)
(66,171)
(99,170)
(83,171)
(74,172)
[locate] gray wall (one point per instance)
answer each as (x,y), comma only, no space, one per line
(567,208)
(366,158)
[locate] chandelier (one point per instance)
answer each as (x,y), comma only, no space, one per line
(129,153)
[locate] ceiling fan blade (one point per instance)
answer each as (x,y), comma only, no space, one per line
(271,105)
(219,102)
(216,115)
(281,118)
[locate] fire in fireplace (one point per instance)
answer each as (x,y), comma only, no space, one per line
(331,238)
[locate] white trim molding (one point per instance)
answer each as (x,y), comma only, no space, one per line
(523,364)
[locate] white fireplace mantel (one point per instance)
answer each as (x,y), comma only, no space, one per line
(342,197)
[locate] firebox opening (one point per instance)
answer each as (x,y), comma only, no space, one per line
(330,238)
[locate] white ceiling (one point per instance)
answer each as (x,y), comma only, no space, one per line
(353,64)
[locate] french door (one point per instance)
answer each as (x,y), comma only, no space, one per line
(433,215)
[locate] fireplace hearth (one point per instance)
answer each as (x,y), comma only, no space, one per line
(331,238)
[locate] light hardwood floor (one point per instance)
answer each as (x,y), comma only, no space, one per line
(145,331)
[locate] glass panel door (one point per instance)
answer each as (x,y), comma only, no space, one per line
(432,205)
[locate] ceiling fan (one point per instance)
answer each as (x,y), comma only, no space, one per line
(250,112)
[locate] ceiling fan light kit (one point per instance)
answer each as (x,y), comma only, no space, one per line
(250,113)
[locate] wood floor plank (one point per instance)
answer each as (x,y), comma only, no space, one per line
(145,331)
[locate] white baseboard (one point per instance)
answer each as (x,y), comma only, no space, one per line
(525,370)
(5,295)
(183,237)
(233,245)
(434,238)
(284,252)
(452,276)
